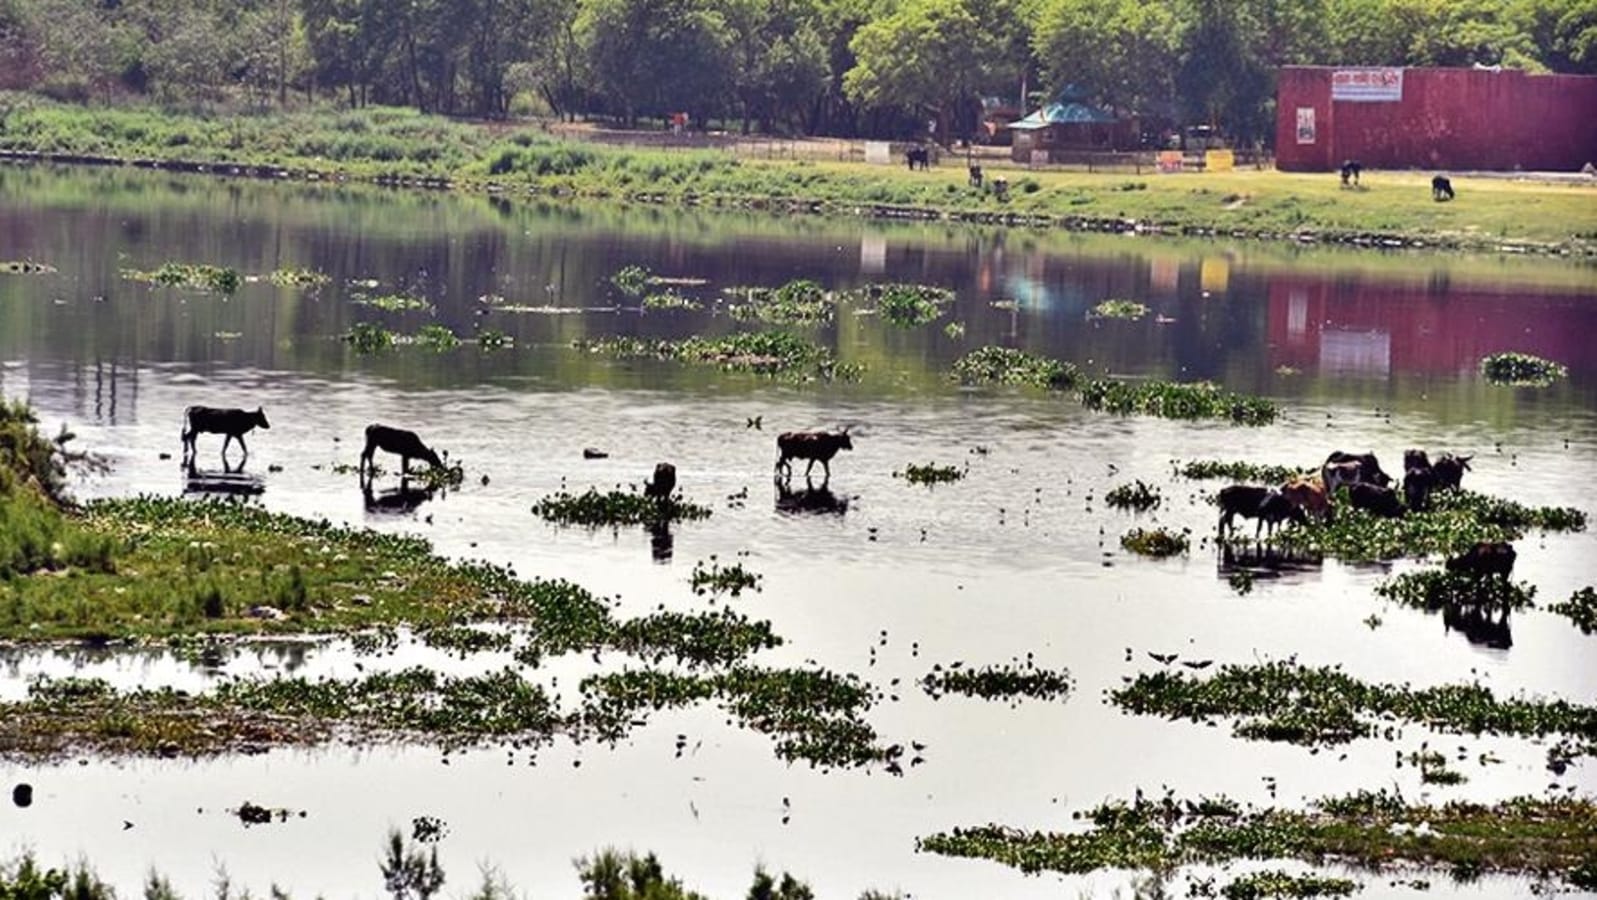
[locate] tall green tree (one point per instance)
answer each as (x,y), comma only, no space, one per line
(655,57)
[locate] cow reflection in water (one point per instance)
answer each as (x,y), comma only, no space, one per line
(662,543)
(810,499)
(399,501)
(1264,559)
(1481,624)
(228,481)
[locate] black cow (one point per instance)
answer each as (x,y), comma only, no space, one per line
(1269,506)
(404,444)
(1369,470)
(815,446)
(1382,501)
(1441,188)
(234,423)
(1417,486)
(1415,459)
(918,156)
(663,483)
(1485,559)
(1450,470)
(1350,171)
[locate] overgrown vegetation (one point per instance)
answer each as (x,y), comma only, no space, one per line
(1199,400)
(716,578)
(1137,495)
(798,302)
(930,474)
(1580,608)
(1520,836)
(194,276)
(1455,521)
(909,305)
(1155,542)
(1120,309)
(594,509)
(1012,681)
(1004,365)
(1434,589)
(1522,369)
(1240,471)
(762,352)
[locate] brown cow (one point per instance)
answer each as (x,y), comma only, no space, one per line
(1485,559)
(815,446)
(1270,507)
(1308,494)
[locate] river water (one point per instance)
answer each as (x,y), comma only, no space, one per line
(1365,351)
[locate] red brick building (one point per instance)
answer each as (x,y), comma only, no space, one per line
(1442,119)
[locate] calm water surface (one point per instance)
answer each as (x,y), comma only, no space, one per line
(1364,351)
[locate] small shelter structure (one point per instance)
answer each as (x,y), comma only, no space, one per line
(1070,124)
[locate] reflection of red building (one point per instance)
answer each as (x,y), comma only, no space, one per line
(1380,327)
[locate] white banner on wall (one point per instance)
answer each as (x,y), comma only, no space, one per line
(1305,124)
(1367,85)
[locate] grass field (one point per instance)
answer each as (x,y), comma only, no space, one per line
(391,143)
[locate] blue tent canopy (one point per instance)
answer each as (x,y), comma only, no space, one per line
(1071,113)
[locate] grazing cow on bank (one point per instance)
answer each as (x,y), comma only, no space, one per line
(1368,469)
(1270,507)
(815,446)
(1417,486)
(404,444)
(1350,172)
(1485,559)
(1382,501)
(234,423)
(1308,494)
(1450,470)
(1441,188)
(663,483)
(918,157)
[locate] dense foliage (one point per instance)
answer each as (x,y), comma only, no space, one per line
(813,66)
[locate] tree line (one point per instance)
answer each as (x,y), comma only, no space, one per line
(840,67)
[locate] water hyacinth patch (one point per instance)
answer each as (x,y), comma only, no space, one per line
(930,474)
(294,277)
(1004,365)
(436,338)
(367,338)
(1519,836)
(694,639)
(631,280)
(1276,883)
(594,509)
(194,276)
(762,352)
(1137,495)
(25,267)
(1286,702)
(1119,309)
(1169,400)
(1455,521)
(1580,608)
(718,579)
(494,339)
(1007,682)
(1155,542)
(671,300)
(1434,589)
(798,302)
(392,302)
(1237,470)
(909,305)
(1522,370)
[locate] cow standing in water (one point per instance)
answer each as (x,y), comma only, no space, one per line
(815,446)
(234,423)
(404,444)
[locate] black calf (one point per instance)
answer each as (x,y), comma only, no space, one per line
(234,423)
(1441,188)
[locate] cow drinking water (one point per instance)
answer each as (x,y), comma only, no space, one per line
(815,446)
(234,423)
(1269,506)
(403,444)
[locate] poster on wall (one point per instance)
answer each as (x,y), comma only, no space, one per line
(1305,124)
(1367,85)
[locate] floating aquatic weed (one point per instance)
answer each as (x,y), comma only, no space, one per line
(955,331)
(1205,469)
(1169,400)
(295,277)
(1434,589)
(368,338)
(930,474)
(594,509)
(718,579)
(1241,581)
(1519,836)
(1119,309)
(798,302)
(1455,522)
(1276,883)
(195,276)
(392,302)
(1155,542)
(436,338)
(1522,370)
(255,814)
(465,640)
(1004,365)
(695,639)
(1007,682)
(909,305)
(1581,608)
(1433,768)
(493,339)
(631,280)
(1137,495)
(669,300)
(764,352)
(1284,701)
(25,267)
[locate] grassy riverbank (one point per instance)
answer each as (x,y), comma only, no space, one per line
(400,145)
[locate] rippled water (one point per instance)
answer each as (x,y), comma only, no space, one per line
(1365,351)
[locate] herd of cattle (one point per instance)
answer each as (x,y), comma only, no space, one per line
(1367,488)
